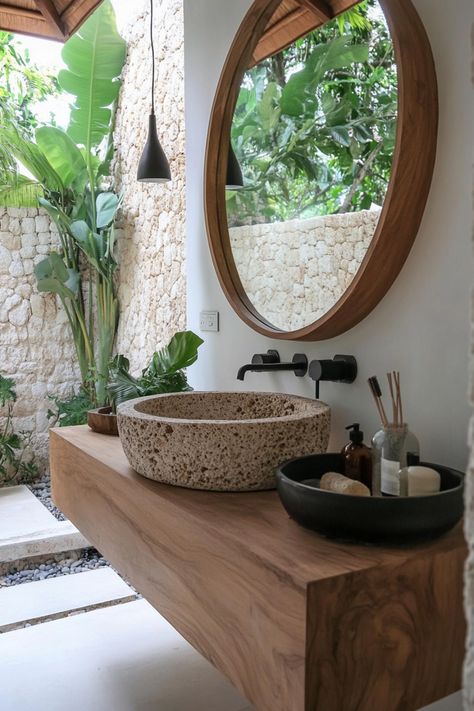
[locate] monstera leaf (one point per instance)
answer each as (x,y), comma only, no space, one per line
(94,57)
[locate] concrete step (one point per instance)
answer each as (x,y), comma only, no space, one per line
(58,597)
(28,529)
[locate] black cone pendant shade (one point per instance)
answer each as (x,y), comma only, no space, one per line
(234,179)
(153,166)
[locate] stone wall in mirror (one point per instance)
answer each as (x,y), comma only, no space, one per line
(314,131)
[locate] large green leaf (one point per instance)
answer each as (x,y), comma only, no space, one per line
(94,56)
(107,205)
(94,246)
(53,276)
(299,94)
(63,155)
(180,352)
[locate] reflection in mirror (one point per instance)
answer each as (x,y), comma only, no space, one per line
(314,133)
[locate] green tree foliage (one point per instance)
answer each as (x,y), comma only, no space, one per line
(314,126)
(22,86)
(14,465)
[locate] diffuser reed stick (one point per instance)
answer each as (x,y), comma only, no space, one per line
(394,402)
(396,376)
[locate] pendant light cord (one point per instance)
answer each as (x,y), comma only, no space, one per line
(152,61)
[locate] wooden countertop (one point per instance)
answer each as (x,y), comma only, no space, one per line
(265,600)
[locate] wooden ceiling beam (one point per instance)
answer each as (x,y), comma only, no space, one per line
(20,12)
(320,8)
(51,15)
(276,36)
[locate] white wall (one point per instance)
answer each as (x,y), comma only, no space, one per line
(421,327)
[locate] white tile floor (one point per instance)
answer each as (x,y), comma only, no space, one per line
(59,596)
(122,658)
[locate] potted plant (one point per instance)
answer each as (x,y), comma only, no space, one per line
(164,374)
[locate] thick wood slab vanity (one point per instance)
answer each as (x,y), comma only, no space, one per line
(296,622)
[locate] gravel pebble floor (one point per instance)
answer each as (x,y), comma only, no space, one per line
(27,571)
(41,488)
(90,559)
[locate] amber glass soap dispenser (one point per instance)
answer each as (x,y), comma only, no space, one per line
(357,457)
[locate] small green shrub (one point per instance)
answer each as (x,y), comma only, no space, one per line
(72,411)
(14,466)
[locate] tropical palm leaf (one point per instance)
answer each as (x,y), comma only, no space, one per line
(20,192)
(31,158)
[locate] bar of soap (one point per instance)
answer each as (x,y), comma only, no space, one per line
(341,484)
(422,481)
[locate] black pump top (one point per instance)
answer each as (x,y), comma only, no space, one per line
(356,435)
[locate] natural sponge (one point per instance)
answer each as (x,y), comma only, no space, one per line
(342,485)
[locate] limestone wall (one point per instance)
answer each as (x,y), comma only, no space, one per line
(151,240)
(35,344)
(295,271)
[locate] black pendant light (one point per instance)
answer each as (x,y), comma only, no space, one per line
(153,166)
(234,179)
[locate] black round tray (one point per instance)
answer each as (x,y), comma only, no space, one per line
(375,520)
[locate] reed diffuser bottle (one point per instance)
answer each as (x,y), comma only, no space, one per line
(394,446)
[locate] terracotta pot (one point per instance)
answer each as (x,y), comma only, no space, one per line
(103,420)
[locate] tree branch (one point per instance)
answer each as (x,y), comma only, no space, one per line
(360,178)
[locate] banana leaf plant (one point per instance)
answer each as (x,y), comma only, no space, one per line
(68,174)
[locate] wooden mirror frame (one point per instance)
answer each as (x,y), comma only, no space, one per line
(412,170)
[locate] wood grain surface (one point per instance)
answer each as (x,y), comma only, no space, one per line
(52,19)
(412,169)
(295,621)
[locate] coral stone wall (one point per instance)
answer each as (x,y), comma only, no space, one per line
(280,263)
(151,236)
(35,344)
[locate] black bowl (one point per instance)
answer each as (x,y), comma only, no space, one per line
(375,520)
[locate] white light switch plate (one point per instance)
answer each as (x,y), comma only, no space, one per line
(209,321)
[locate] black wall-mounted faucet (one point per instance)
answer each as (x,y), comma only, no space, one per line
(270,362)
(341,369)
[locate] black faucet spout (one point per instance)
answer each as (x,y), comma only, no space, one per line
(265,364)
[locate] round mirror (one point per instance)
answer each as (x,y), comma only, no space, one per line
(319,161)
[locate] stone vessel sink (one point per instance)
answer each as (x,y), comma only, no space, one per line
(220,441)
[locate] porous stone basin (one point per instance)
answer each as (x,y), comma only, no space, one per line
(220,441)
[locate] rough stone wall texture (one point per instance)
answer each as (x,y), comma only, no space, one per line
(469,499)
(280,263)
(35,345)
(151,239)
